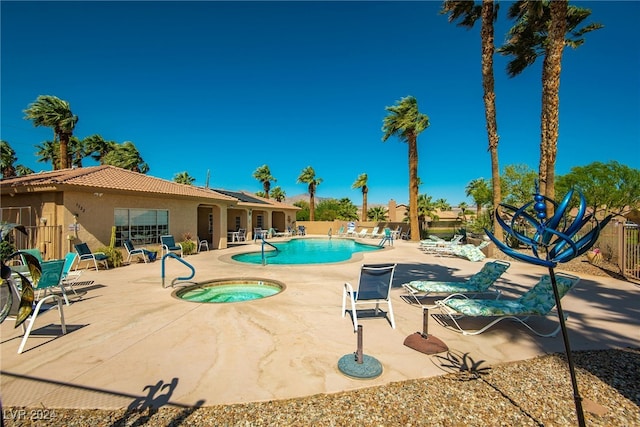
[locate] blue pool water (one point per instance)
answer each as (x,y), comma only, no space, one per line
(307,251)
(232,290)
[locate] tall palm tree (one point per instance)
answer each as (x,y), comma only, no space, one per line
(183,178)
(53,112)
(443,205)
(7,159)
(263,174)
(278,194)
(468,13)
(406,122)
(361,182)
(49,151)
(541,29)
(308,176)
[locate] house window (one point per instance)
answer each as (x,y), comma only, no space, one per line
(237,223)
(142,226)
(210,223)
(259,222)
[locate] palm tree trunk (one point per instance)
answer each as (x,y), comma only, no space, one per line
(64,150)
(413,187)
(490,106)
(312,205)
(551,89)
(364,204)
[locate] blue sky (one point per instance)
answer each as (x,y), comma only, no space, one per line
(227,87)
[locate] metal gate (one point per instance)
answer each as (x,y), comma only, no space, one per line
(630,251)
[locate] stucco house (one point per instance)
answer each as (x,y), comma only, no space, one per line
(64,207)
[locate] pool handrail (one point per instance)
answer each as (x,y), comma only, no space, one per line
(173,255)
(264,242)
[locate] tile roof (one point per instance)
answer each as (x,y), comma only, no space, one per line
(112,178)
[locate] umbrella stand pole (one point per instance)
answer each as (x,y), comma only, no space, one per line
(574,381)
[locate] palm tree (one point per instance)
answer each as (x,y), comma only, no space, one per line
(183,178)
(48,151)
(361,182)
(463,211)
(53,112)
(426,208)
(22,170)
(468,13)
(377,213)
(308,176)
(278,194)
(442,205)
(478,189)
(263,174)
(406,122)
(7,159)
(98,148)
(77,151)
(541,29)
(126,156)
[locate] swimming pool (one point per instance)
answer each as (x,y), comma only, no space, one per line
(307,251)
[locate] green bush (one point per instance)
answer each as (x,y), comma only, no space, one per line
(115,256)
(188,247)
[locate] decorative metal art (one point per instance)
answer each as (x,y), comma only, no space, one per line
(555,240)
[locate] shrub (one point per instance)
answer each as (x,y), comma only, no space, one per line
(115,256)
(188,247)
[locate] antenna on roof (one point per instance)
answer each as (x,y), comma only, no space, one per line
(206,183)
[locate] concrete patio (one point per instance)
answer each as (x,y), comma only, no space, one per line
(130,342)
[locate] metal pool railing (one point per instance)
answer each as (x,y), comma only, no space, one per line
(264,242)
(173,282)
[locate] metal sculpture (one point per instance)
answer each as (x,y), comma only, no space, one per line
(555,240)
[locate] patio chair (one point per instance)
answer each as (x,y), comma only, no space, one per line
(387,237)
(302,231)
(469,251)
(146,255)
(242,235)
(259,233)
(374,287)
(351,229)
(341,231)
(201,243)
(435,244)
(363,233)
(169,245)
(374,233)
(481,282)
(68,277)
(538,301)
(50,274)
(85,254)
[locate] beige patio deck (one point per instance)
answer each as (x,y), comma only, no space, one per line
(130,341)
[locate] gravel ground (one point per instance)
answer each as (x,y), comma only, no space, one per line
(535,392)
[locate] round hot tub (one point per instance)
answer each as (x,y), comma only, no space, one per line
(230,290)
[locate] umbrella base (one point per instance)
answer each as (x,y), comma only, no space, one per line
(427,344)
(369,368)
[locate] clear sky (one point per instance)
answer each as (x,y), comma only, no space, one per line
(227,87)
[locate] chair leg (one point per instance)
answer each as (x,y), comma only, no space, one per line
(393,322)
(34,315)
